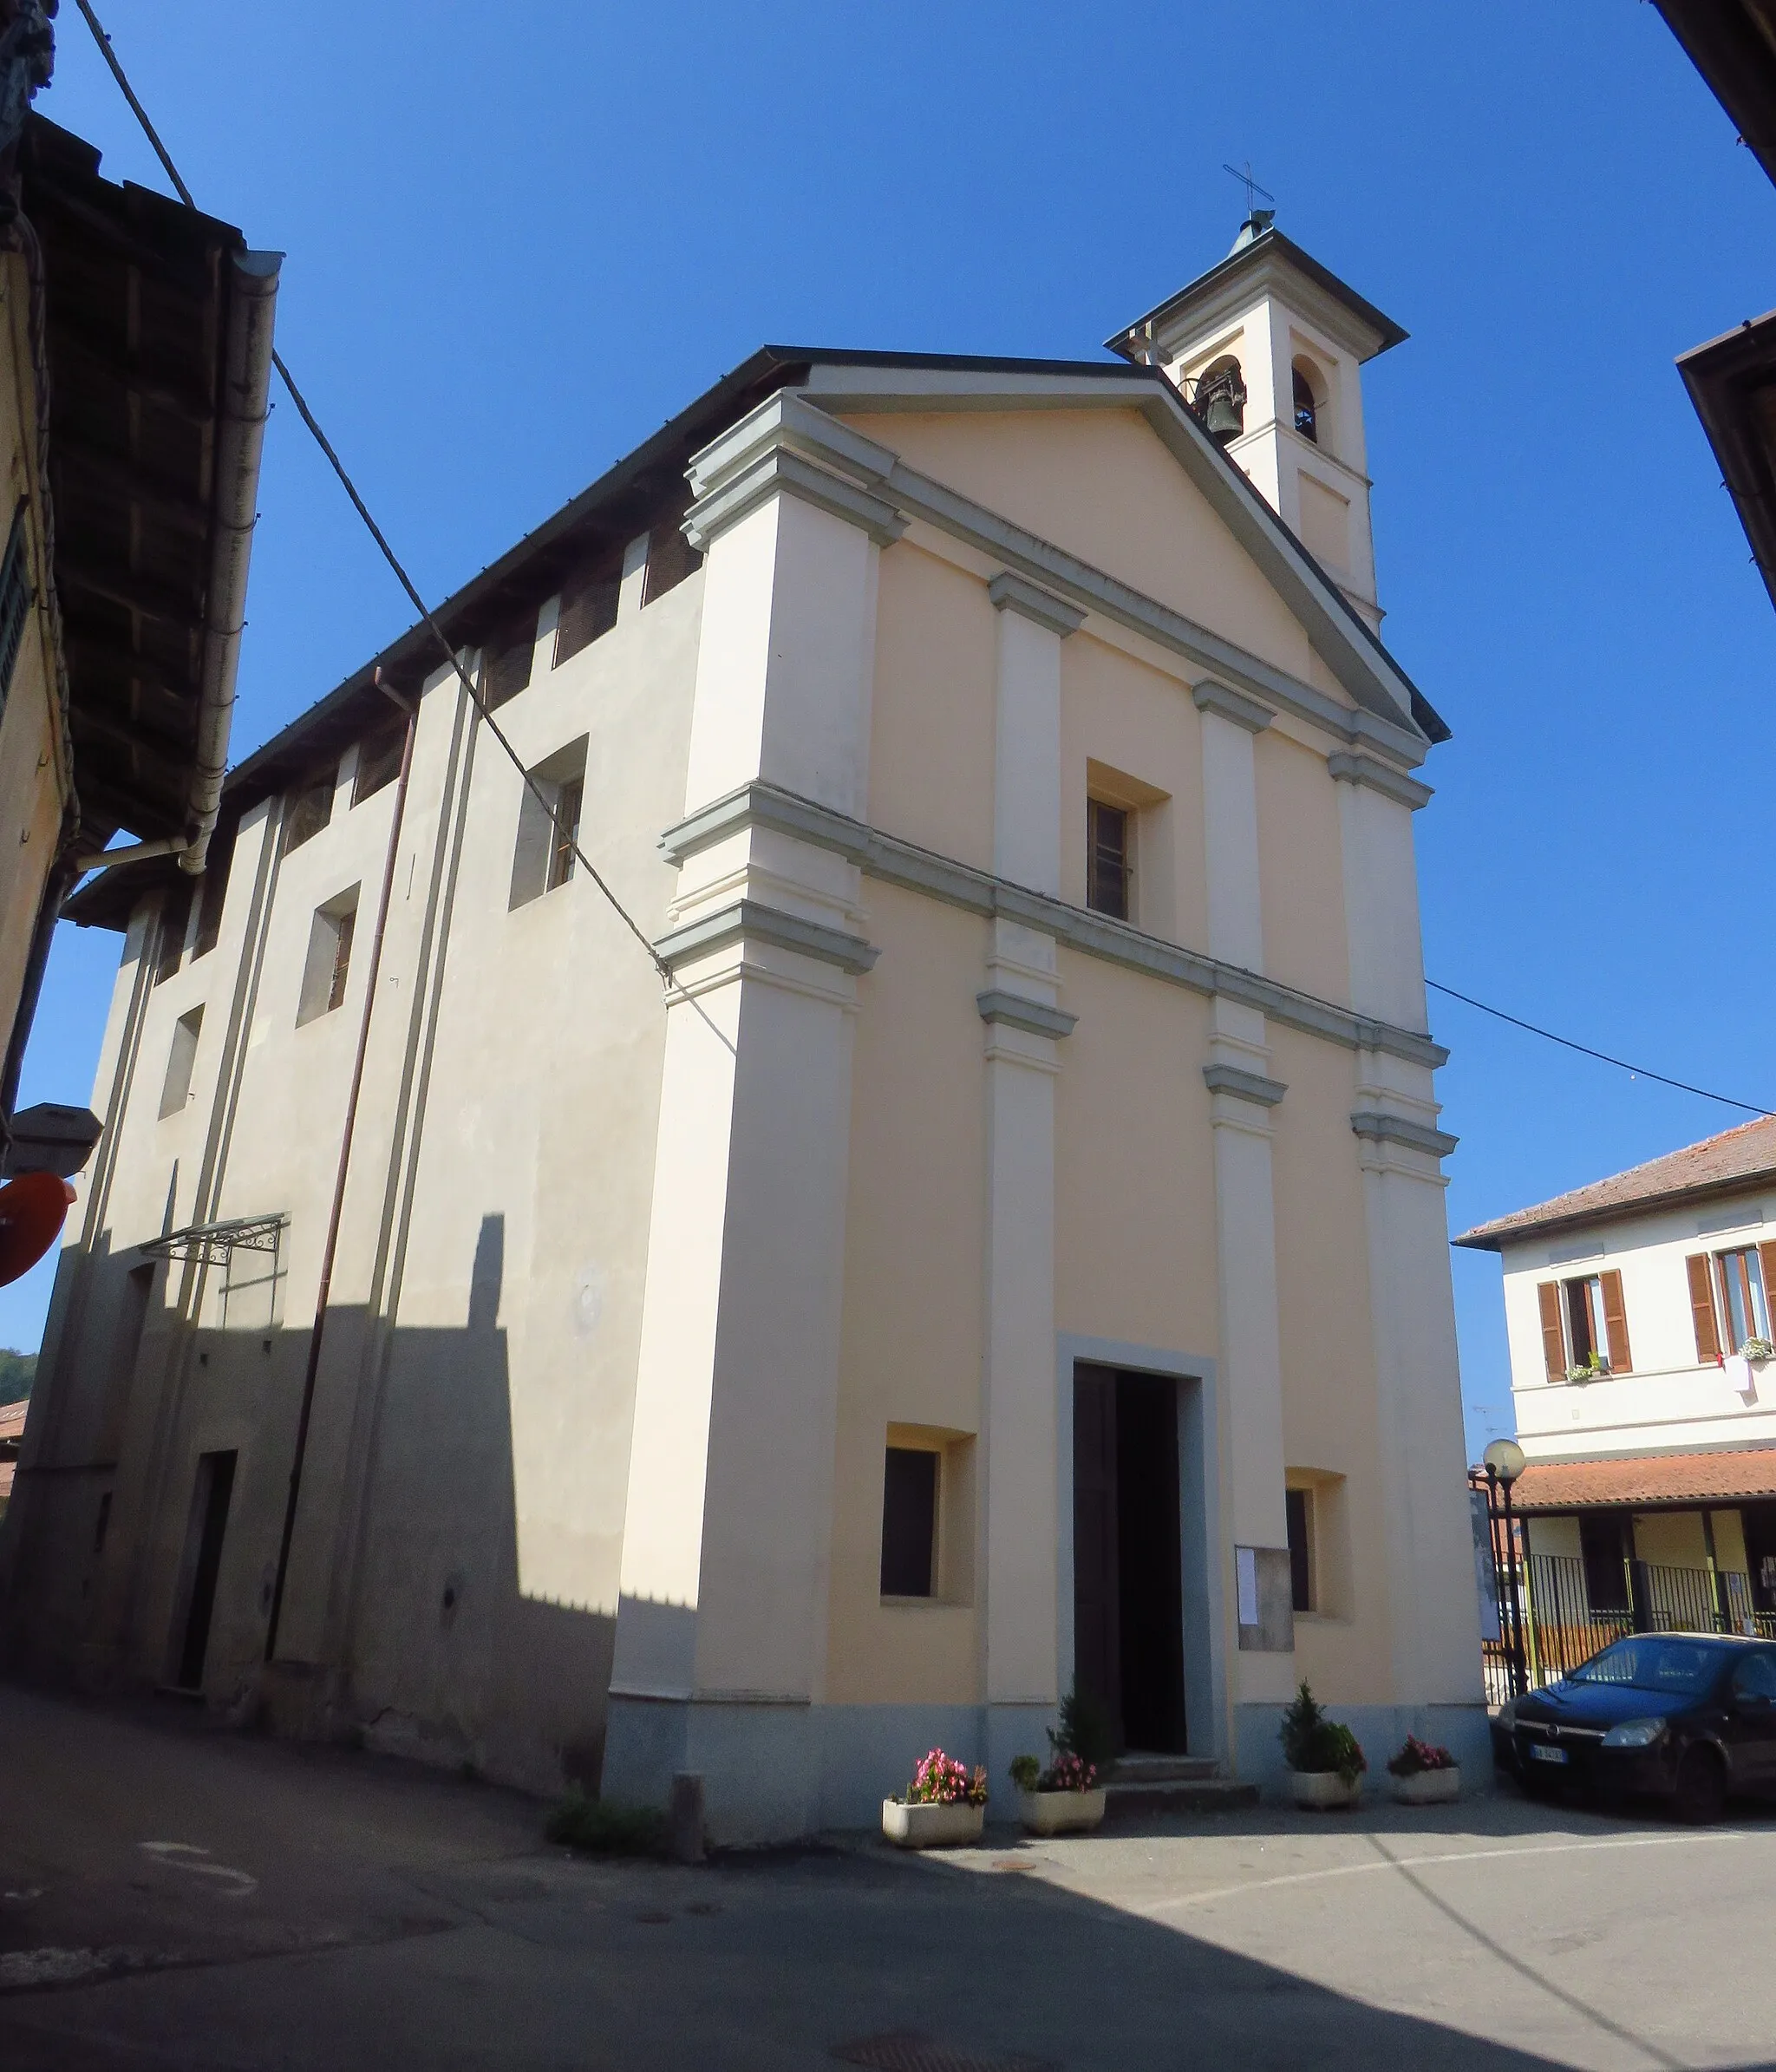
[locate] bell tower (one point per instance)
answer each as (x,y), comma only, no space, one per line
(1267,347)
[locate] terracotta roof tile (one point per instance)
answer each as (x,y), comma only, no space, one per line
(1656,1478)
(1743,1156)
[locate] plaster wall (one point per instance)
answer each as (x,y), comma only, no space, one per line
(1099,483)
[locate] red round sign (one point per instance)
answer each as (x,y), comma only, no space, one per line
(33,1208)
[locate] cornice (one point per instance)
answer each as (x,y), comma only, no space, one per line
(749,921)
(1032,1016)
(1234,705)
(1381,1129)
(782,472)
(1008,592)
(890,859)
(1245,1085)
(1347,768)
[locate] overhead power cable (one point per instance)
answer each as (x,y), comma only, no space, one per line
(1585,1050)
(445,647)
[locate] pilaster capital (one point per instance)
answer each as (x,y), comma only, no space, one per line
(1011,592)
(778,472)
(1374,775)
(1017,1012)
(750,921)
(1231,704)
(1375,1126)
(1243,1085)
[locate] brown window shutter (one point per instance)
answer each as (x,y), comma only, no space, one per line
(1553,1339)
(1701,1307)
(1615,1323)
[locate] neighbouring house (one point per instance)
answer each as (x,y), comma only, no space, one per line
(1011,1249)
(1643,1377)
(135,338)
(1732,379)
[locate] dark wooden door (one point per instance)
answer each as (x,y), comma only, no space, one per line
(1097,1637)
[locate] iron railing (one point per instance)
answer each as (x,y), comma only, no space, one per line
(1565,1623)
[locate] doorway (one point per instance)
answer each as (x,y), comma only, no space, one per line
(203,1563)
(1127,1583)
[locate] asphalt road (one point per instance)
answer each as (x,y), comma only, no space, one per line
(173,1895)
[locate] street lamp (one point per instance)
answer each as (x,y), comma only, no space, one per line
(1503,1461)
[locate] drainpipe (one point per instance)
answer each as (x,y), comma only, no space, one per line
(246,380)
(324,1294)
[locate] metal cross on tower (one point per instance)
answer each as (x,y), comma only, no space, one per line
(1252,188)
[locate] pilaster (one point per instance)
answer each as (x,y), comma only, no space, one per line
(1024,1026)
(722,1622)
(1244,1098)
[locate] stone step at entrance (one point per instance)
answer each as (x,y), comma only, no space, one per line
(1143,1784)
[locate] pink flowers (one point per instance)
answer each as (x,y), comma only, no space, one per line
(1070,1773)
(1416,1757)
(939,1780)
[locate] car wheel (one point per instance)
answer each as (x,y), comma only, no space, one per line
(1701,1795)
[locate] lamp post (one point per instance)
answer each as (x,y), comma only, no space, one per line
(1503,1461)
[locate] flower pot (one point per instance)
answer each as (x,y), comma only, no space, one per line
(1323,1789)
(1061,1812)
(1428,1787)
(931,1827)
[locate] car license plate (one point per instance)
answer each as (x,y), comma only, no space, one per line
(1544,1754)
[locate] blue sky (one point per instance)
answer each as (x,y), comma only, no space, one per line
(519,239)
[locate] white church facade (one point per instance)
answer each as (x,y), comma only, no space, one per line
(1011,1250)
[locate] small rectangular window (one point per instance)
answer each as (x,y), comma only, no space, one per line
(505,662)
(671,558)
(175,1089)
(213,889)
(588,602)
(1299,1504)
(175,918)
(1739,1288)
(378,760)
(329,964)
(15,597)
(548,824)
(309,809)
(1109,864)
(908,1522)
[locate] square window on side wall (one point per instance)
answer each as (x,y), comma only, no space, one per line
(327,970)
(548,824)
(927,1515)
(1319,1542)
(308,810)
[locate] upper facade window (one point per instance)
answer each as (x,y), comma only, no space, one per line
(309,811)
(379,759)
(1728,1298)
(1584,1327)
(1109,863)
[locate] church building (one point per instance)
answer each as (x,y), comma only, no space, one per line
(989,1234)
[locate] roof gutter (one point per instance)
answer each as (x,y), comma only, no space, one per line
(246,381)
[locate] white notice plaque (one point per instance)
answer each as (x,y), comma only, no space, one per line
(1246,1573)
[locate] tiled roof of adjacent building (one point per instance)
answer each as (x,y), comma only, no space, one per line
(1737,1159)
(1655,1478)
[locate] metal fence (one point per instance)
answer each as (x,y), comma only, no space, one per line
(1564,1623)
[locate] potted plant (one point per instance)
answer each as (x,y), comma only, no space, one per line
(944,1805)
(1424,1774)
(1326,1761)
(1595,1367)
(1065,1799)
(1067,1796)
